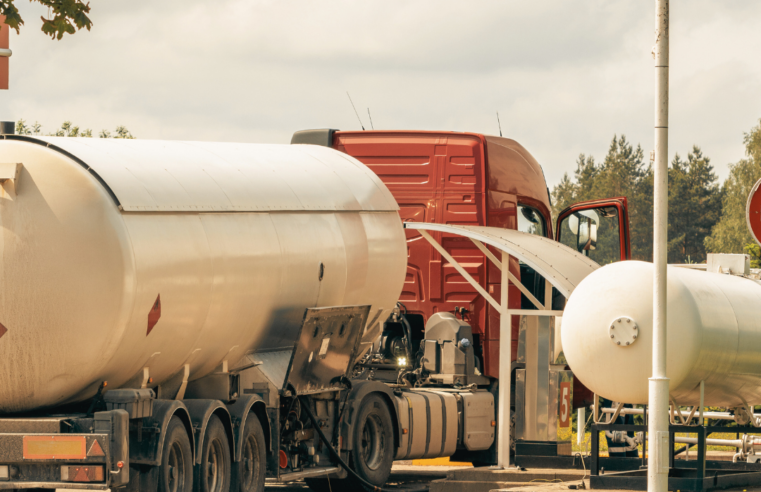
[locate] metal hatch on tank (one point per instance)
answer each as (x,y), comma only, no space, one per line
(325,349)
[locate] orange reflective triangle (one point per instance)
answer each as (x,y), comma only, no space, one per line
(95,449)
(81,475)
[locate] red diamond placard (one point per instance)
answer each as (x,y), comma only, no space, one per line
(154,314)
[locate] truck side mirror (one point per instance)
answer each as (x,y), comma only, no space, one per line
(584,225)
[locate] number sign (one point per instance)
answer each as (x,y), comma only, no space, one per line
(565,404)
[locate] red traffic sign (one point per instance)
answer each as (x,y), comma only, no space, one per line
(753,212)
(5,52)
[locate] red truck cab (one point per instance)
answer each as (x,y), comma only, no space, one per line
(463,179)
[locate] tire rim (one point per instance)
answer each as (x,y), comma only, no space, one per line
(248,464)
(176,462)
(215,467)
(373,442)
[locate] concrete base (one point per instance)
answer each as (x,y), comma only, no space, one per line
(487,479)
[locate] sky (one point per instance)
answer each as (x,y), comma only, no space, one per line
(565,76)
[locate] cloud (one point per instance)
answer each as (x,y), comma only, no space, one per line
(565,76)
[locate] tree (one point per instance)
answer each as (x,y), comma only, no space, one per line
(121,132)
(568,192)
(694,206)
(622,173)
(730,234)
(563,195)
(68,16)
(754,250)
(23,129)
(68,129)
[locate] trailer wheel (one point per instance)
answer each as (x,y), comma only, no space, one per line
(248,473)
(213,474)
(372,455)
(176,469)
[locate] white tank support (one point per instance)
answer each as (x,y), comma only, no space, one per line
(512,277)
(562,266)
(702,400)
(567,269)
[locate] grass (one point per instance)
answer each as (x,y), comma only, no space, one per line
(567,435)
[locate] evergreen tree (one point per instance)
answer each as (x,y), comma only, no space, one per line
(694,206)
(730,234)
(563,195)
(694,200)
(624,174)
(586,175)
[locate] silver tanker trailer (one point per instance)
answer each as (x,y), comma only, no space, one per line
(199,316)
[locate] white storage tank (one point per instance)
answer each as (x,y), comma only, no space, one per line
(714,334)
(120,255)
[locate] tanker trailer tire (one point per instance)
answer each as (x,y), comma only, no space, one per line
(213,474)
(372,454)
(176,469)
(248,474)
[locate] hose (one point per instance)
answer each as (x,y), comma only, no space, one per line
(338,458)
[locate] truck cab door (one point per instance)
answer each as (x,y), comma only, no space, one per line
(598,229)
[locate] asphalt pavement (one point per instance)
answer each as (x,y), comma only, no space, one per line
(403,477)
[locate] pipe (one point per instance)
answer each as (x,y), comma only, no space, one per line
(735,443)
(707,415)
(658,397)
(390,367)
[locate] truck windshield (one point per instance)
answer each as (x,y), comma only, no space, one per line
(531,222)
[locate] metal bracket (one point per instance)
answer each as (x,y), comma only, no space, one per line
(325,349)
